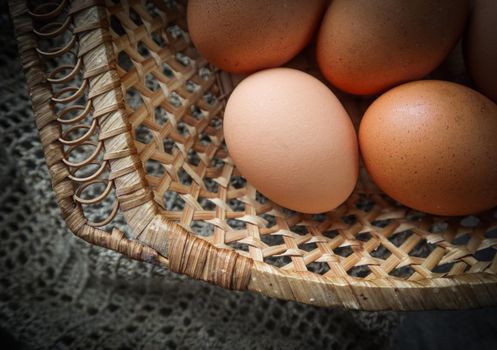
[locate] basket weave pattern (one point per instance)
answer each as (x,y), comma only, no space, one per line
(126,106)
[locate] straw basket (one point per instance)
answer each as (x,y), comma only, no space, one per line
(130,117)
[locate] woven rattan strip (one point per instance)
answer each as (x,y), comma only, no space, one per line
(130,116)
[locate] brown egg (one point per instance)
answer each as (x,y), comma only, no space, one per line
(432,145)
(292,139)
(246,36)
(367,46)
(481,45)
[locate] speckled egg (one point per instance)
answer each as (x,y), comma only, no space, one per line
(432,146)
(367,46)
(481,47)
(292,139)
(246,36)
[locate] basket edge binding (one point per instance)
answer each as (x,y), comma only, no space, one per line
(163,242)
(457,292)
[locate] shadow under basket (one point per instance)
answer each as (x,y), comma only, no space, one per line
(130,118)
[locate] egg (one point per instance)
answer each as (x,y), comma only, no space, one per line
(367,46)
(481,47)
(291,138)
(432,146)
(246,36)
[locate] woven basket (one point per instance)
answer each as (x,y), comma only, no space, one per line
(130,117)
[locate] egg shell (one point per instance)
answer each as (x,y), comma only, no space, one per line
(246,36)
(367,46)
(292,139)
(432,145)
(481,47)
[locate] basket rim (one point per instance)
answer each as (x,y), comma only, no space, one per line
(159,240)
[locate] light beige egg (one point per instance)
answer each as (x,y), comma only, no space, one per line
(292,139)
